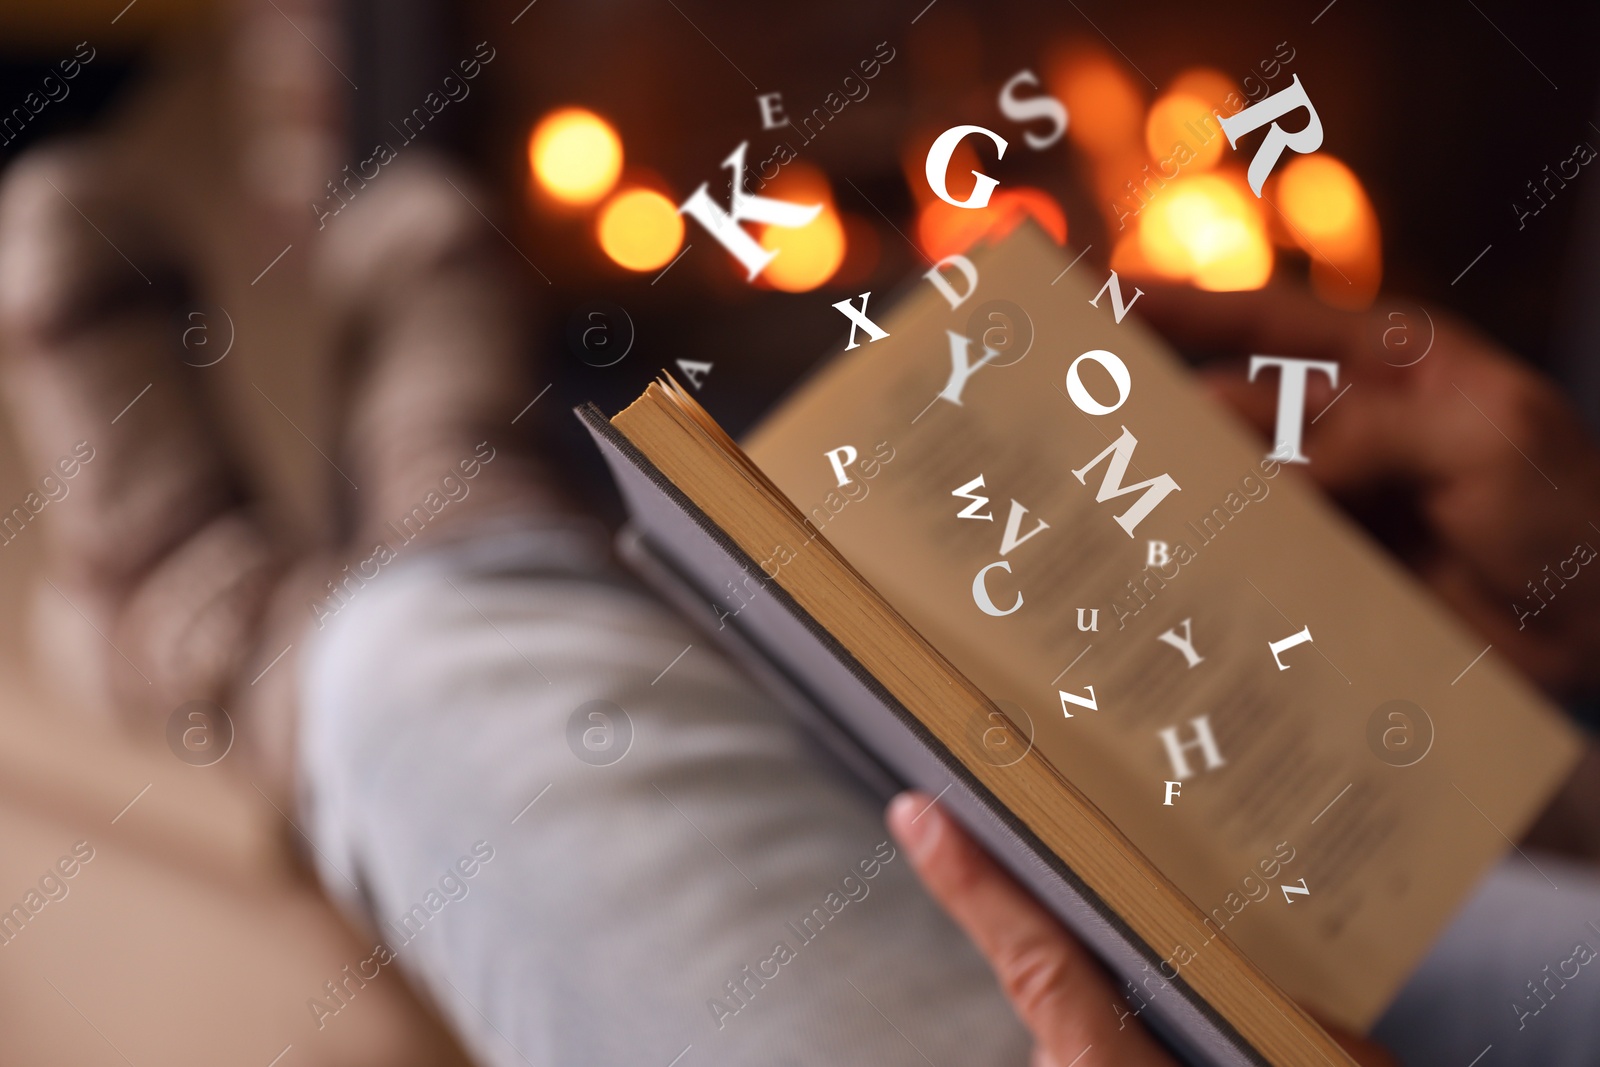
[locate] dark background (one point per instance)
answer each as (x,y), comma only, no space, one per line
(1441,116)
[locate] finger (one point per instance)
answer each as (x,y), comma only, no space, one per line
(1056,988)
(1360,1049)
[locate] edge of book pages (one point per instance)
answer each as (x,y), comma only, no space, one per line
(678,547)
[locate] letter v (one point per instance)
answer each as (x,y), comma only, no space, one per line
(1010,540)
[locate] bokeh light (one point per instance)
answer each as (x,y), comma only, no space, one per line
(1327,213)
(1182,119)
(1323,199)
(1206,229)
(640,229)
(807,255)
(576,156)
(943,230)
(1104,103)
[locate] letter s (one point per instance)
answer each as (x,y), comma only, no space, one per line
(1021,110)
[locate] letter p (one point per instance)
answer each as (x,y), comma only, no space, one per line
(841,458)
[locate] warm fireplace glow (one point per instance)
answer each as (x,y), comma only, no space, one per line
(576,156)
(640,229)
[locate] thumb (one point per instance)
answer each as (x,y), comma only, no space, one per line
(1055,986)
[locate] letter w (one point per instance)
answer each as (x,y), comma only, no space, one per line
(1155,489)
(966,492)
(859,318)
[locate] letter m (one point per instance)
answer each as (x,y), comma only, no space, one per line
(1118,308)
(1154,489)
(14,921)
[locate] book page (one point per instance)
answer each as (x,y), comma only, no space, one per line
(1265,703)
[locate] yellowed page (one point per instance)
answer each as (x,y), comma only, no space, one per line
(1383,822)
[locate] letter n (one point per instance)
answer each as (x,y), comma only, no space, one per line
(1118,308)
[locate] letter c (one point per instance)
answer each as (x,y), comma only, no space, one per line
(980,592)
(938,163)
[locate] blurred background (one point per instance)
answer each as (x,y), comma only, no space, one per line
(1451,134)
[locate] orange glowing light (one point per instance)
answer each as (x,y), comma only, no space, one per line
(1329,216)
(1324,201)
(576,156)
(1105,104)
(1181,127)
(1211,86)
(1205,229)
(807,255)
(943,230)
(640,229)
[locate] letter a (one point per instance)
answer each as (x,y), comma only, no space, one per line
(1279,647)
(859,318)
(694,371)
(1155,489)
(1292,377)
(1118,308)
(1270,110)
(746,207)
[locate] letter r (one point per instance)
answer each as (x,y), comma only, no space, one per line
(1270,110)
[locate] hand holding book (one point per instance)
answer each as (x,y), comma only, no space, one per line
(876,628)
(1064,998)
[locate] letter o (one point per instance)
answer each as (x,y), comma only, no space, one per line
(980,592)
(1114,367)
(944,146)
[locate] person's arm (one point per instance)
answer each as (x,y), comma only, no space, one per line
(1467,464)
(1059,991)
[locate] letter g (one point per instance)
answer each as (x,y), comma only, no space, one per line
(938,164)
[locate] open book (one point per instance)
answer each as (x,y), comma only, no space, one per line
(1213,727)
